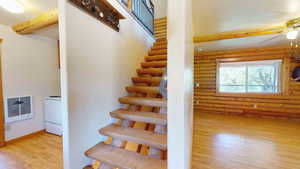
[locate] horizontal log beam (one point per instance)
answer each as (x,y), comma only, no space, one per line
(240,34)
(40,22)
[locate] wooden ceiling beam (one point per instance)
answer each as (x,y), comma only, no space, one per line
(40,22)
(241,34)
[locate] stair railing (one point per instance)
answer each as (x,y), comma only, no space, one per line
(144,11)
(163,85)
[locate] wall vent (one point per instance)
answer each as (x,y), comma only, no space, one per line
(18,108)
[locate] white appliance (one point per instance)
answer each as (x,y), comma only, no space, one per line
(53,115)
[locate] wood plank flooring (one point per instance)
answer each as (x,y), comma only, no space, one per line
(43,151)
(233,142)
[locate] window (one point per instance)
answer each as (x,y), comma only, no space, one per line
(249,77)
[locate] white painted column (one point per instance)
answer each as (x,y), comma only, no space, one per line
(180,84)
(64,81)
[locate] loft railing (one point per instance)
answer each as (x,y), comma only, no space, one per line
(144,11)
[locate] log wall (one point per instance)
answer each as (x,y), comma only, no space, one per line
(207,99)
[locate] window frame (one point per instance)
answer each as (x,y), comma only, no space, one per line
(283,83)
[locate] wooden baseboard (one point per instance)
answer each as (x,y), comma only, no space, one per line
(25,137)
(255,114)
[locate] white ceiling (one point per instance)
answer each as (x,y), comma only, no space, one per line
(33,8)
(215,16)
(210,17)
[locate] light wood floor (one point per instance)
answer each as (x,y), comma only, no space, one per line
(233,142)
(43,151)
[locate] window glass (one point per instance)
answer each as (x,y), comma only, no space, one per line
(250,77)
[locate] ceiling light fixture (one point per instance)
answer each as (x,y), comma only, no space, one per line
(12,6)
(292,35)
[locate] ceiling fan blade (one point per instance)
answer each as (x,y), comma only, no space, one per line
(270,39)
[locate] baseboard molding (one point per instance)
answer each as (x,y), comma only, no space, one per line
(25,137)
(255,114)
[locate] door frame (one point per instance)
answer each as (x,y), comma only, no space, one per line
(2,120)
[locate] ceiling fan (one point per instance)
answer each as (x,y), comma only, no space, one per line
(292,30)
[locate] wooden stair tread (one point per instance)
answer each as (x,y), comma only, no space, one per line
(163,46)
(160,28)
(156,58)
(148,80)
(143,89)
(144,101)
(161,34)
(157,31)
(158,52)
(155,64)
(124,159)
(151,71)
(144,137)
(146,117)
(161,42)
(161,19)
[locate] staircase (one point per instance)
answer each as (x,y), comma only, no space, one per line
(139,139)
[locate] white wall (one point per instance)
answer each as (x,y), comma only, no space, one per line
(160,7)
(97,63)
(180,93)
(29,67)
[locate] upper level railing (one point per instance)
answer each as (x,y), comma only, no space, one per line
(143,11)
